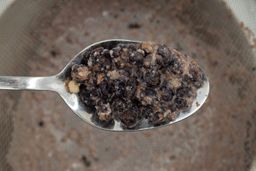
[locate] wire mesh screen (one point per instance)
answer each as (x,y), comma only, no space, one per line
(37,130)
(16,25)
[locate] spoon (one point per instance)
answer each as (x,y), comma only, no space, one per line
(56,83)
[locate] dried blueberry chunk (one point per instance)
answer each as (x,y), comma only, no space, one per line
(157,119)
(152,77)
(184,91)
(181,103)
(130,117)
(166,93)
(119,88)
(164,51)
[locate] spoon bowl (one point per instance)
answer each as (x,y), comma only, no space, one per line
(57,84)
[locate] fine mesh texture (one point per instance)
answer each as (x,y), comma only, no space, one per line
(17,44)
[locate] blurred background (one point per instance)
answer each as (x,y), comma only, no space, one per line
(39,132)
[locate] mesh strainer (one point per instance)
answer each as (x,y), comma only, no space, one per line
(38,132)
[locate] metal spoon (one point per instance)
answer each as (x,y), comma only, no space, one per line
(56,83)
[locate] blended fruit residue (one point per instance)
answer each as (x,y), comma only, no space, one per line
(135,82)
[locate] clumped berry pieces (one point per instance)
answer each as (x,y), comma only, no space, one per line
(134,83)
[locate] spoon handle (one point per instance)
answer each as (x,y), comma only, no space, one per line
(29,83)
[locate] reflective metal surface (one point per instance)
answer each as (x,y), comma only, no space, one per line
(57,83)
